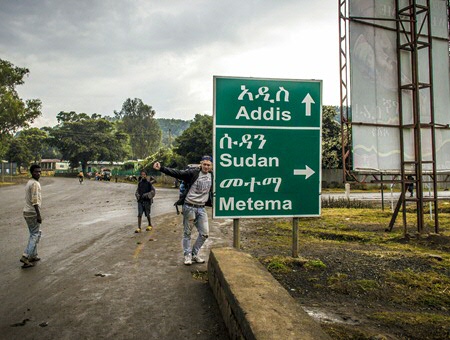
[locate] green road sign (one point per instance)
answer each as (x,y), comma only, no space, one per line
(267,147)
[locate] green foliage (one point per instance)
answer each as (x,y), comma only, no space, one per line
(166,157)
(282,264)
(332,202)
(14,112)
(129,166)
(415,325)
(315,264)
(346,285)
(27,146)
(18,152)
(278,264)
(200,275)
(5,140)
(428,289)
(35,141)
(138,122)
(81,138)
(367,268)
(331,139)
(196,140)
(171,129)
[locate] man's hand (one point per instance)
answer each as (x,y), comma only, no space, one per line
(157,166)
(38,213)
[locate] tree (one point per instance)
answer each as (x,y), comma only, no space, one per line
(171,129)
(5,141)
(167,157)
(35,141)
(19,153)
(331,139)
(137,120)
(81,139)
(27,145)
(49,151)
(196,140)
(14,112)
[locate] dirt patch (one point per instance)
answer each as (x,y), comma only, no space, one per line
(358,280)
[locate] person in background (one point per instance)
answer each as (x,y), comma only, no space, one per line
(197,194)
(411,186)
(80,177)
(32,215)
(144,196)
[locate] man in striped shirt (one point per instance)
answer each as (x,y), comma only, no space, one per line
(32,215)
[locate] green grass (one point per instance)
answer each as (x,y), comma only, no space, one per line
(314,265)
(415,300)
(428,289)
(416,325)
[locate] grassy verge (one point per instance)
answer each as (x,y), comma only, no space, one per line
(393,286)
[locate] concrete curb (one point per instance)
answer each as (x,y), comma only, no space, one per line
(253,304)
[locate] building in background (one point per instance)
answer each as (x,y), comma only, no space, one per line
(56,165)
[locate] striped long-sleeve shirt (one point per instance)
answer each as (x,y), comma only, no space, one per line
(32,197)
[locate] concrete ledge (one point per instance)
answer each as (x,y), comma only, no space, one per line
(253,304)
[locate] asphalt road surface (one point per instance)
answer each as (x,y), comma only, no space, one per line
(98,279)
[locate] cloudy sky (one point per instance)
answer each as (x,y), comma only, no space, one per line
(91,55)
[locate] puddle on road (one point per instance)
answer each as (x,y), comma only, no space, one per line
(102,274)
(225,222)
(329,317)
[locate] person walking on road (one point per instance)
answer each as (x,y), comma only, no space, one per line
(144,196)
(81,177)
(198,193)
(32,215)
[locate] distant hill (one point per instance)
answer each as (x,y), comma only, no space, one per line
(172,128)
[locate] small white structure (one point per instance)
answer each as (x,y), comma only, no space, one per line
(54,165)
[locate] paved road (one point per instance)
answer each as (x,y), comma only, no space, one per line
(97,279)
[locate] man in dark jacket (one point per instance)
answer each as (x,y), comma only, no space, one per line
(144,196)
(198,191)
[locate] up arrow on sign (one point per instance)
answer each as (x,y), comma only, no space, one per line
(308,101)
(307,172)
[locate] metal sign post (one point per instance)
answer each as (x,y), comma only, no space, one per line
(236,234)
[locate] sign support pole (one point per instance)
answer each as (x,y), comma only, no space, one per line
(236,234)
(295,237)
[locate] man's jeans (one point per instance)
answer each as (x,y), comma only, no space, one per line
(35,235)
(198,217)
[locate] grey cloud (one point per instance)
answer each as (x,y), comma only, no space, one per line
(80,27)
(90,55)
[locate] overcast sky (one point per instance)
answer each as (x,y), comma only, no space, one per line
(91,55)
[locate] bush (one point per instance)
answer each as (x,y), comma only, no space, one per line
(332,202)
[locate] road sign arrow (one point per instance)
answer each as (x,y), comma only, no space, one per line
(308,101)
(308,172)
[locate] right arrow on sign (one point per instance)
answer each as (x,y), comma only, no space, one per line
(308,101)
(308,172)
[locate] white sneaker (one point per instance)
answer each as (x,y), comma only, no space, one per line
(188,260)
(198,259)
